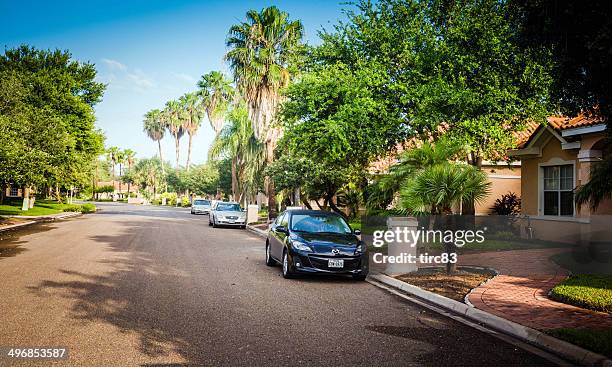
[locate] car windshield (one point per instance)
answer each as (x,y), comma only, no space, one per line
(313,223)
(201,202)
(224,207)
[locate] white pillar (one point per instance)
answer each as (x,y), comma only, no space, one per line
(401,246)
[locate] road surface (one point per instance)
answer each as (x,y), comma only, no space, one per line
(152,286)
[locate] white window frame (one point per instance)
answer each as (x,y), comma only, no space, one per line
(554,162)
(16,192)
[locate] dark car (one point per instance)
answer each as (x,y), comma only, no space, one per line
(313,241)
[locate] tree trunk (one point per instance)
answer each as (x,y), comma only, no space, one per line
(3,193)
(235,193)
(177,149)
(305,202)
(333,206)
(270,190)
(189,151)
(449,247)
(161,157)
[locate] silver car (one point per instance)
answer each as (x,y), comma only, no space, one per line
(225,213)
(200,206)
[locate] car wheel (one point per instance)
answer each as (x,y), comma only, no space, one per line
(287,273)
(269,260)
(360,276)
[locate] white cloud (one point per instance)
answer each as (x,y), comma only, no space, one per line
(121,77)
(184,77)
(114,64)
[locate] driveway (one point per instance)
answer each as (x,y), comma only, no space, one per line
(151,286)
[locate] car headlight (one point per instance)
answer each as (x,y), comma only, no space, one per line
(301,246)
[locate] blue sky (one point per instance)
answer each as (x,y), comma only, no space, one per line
(146,51)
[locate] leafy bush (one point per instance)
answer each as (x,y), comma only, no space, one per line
(73,208)
(169,196)
(589,291)
(185,202)
(508,204)
(88,208)
(156,202)
(106,188)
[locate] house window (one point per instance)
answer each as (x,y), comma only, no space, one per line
(558,190)
(14,191)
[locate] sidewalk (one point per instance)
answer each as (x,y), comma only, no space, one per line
(31,219)
(519,292)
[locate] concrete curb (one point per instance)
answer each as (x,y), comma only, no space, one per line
(40,219)
(257,231)
(559,347)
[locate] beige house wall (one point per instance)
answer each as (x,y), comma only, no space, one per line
(504,179)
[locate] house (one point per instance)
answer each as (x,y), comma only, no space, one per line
(556,158)
(12,191)
(504,178)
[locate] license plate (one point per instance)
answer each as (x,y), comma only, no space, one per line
(335,263)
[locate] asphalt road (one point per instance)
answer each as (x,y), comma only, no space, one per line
(149,286)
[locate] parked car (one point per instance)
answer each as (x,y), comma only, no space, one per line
(200,206)
(314,241)
(224,213)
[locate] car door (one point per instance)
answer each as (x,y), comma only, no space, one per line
(278,237)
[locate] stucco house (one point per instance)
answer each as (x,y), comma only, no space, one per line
(556,158)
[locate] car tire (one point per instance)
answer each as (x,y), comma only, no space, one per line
(360,277)
(287,273)
(269,260)
(209,222)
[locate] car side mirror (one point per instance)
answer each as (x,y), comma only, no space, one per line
(282,229)
(357,232)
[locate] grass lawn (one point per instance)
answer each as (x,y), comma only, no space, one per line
(598,341)
(41,207)
(588,291)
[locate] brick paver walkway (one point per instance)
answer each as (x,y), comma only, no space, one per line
(520,292)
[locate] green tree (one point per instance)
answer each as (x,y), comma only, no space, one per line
(174,115)
(192,106)
(216,92)
(153,126)
(260,51)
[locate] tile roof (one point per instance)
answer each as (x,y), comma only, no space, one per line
(556,122)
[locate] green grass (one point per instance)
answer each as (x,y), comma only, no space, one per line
(41,207)
(598,341)
(588,291)
(497,245)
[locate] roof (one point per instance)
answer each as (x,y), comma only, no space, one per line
(558,123)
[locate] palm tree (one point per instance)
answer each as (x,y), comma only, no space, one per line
(260,50)
(216,92)
(192,105)
(155,129)
(237,141)
(437,188)
(112,155)
(130,156)
(173,117)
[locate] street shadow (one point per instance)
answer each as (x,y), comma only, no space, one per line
(11,241)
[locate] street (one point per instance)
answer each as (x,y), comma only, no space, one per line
(153,286)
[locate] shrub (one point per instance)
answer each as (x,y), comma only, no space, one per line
(589,291)
(598,341)
(170,198)
(156,202)
(73,208)
(185,202)
(88,208)
(103,189)
(508,204)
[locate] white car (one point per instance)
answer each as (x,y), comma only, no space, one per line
(225,213)
(200,206)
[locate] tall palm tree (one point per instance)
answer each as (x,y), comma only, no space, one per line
(237,141)
(260,50)
(216,92)
(112,155)
(130,156)
(192,106)
(173,117)
(155,129)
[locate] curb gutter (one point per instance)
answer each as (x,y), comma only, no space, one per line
(40,219)
(257,231)
(559,347)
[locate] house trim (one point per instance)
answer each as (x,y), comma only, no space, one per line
(584,130)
